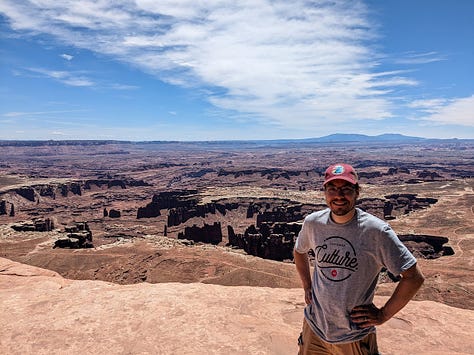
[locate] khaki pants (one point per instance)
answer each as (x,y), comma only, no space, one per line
(311,344)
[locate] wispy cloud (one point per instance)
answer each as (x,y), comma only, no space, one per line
(37,113)
(80,79)
(65,77)
(420,58)
(429,105)
(287,63)
(458,111)
(121,87)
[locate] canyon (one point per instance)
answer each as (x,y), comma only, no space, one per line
(226,214)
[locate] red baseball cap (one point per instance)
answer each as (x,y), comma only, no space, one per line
(341,171)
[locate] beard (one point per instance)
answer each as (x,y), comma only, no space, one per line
(341,207)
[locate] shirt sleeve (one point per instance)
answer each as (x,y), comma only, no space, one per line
(395,255)
(303,241)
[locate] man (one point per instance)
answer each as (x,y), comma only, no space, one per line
(351,247)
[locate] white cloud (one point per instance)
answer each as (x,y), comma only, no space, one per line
(68,57)
(420,58)
(288,63)
(429,105)
(458,111)
(65,77)
(79,79)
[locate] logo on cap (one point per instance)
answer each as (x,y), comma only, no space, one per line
(338,169)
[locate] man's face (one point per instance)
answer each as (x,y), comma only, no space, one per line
(340,196)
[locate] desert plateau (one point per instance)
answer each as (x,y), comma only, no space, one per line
(186,247)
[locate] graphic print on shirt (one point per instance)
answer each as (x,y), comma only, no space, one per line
(336,259)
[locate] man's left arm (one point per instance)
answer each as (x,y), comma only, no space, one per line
(369,315)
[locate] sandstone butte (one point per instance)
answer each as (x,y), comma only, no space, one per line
(44,313)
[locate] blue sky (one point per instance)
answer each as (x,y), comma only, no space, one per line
(250,69)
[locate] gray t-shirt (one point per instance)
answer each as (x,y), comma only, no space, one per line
(348,260)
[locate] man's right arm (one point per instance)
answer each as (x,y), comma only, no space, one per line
(302,266)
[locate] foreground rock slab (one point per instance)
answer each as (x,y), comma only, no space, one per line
(43,313)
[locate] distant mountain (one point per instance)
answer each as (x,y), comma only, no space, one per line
(387,137)
(337,138)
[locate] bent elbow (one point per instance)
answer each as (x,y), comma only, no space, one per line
(421,279)
(418,279)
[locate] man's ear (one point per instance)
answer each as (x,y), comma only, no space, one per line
(357,191)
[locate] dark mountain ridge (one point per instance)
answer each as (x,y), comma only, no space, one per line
(337,138)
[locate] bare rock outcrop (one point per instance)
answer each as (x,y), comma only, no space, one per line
(427,246)
(398,170)
(269,173)
(77,236)
(280,214)
(176,198)
(273,241)
(279,210)
(209,233)
(52,190)
(7,208)
(47,190)
(36,225)
(184,199)
(394,205)
(110,182)
(427,175)
(181,214)
(113,213)
(182,205)
(43,313)
(27,192)
(151,210)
